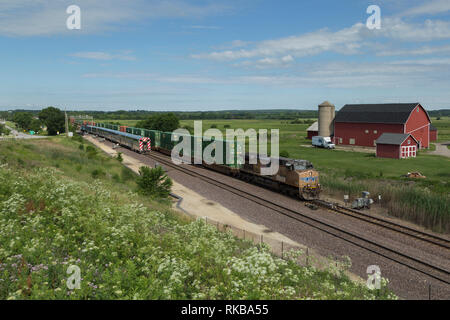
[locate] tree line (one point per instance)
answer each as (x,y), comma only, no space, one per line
(52,118)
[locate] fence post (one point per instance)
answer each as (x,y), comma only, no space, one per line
(335,276)
(282,249)
(307,256)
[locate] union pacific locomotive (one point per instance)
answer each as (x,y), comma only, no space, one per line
(294,177)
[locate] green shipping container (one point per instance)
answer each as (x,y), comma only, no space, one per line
(137,131)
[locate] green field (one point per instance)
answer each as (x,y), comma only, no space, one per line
(443,126)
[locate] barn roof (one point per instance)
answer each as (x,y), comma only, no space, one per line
(314,127)
(376,113)
(393,138)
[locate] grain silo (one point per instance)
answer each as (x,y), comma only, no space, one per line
(326,117)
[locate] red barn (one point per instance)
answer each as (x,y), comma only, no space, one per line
(433,133)
(397,146)
(363,124)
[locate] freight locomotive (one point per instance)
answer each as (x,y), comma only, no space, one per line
(294,177)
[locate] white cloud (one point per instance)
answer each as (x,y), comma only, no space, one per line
(98,55)
(430,7)
(268,62)
(48,17)
(415,51)
(353,40)
(425,62)
(401,73)
(344,41)
(430,30)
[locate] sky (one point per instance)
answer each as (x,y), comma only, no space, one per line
(186,55)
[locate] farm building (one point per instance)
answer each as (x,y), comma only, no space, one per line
(397,146)
(313,130)
(433,133)
(363,124)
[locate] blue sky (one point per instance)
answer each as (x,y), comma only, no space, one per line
(215,55)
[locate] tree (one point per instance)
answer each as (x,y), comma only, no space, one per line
(4,130)
(154,182)
(35,125)
(23,119)
(166,122)
(54,119)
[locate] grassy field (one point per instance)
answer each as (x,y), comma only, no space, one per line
(65,203)
(443,126)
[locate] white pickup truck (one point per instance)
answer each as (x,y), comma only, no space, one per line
(323,142)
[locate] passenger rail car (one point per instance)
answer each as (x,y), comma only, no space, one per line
(131,141)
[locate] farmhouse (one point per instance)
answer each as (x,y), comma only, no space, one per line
(363,124)
(397,146)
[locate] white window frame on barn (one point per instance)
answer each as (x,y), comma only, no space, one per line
(408,152)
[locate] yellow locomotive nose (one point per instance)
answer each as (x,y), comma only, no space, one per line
(309,185)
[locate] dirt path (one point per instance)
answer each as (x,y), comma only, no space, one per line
(441,149)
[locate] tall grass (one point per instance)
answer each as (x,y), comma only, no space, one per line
(402,199)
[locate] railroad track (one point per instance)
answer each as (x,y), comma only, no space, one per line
(409,261)
(411,232)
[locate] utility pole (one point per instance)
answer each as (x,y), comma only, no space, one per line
(67,123)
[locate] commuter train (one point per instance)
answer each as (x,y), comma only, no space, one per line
(294,177)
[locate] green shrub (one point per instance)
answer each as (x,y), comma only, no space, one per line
(154,182)
(127,174)
(97,173)
(284,154)
(119,157)
(116,177)
(91,152)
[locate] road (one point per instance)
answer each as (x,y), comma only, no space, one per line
(442,150)
(20,135)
